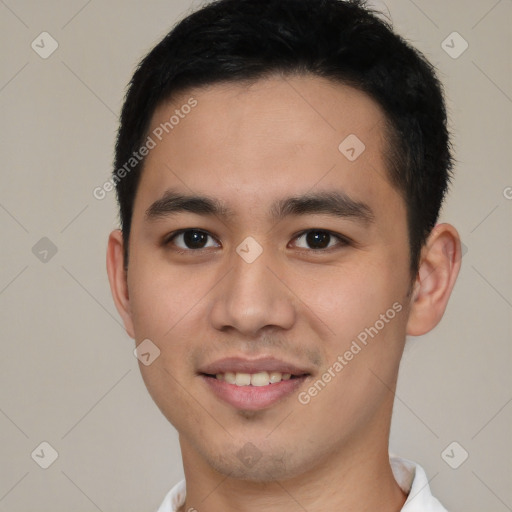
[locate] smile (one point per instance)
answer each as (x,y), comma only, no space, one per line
(253,392)
(253,379)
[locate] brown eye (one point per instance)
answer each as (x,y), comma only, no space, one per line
(190,239)
(318,239)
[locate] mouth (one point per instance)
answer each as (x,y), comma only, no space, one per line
(252,385)
(252,379)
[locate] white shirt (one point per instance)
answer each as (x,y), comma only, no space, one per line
(409,476)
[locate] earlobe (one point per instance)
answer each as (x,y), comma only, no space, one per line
(118,279)
(439,266)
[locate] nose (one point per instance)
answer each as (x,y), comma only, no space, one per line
(253,296)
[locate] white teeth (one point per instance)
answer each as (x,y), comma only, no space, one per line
(243,379)
(260,379)
(229,377)
(254,379)
(275,377)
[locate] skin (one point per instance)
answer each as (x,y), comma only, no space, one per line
(248,145)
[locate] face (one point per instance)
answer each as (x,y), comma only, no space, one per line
(278,297)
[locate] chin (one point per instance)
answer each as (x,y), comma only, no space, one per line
(259,466)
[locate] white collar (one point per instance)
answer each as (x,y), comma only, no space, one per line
(410,477)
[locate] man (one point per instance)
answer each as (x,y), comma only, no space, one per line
(280,167)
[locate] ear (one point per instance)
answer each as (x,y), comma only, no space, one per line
(117,277)
(439,266)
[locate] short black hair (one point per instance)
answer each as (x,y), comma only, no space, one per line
(343,41)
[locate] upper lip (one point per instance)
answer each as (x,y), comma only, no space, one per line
(243,365)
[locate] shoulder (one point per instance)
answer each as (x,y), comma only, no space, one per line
(174,499)
(411,477)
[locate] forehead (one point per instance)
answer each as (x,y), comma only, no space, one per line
(252,143)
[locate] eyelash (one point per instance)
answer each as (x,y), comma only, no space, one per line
(343,240)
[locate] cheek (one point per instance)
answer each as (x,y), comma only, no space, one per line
(350,297)
(366,314)
(361,365)
(151,305)
(162,295)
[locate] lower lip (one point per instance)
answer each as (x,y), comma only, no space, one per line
(252,398)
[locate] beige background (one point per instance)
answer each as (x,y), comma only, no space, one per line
(67,371)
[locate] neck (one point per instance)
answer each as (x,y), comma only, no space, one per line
(353,479)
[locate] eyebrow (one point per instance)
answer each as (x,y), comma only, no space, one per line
(335,203)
